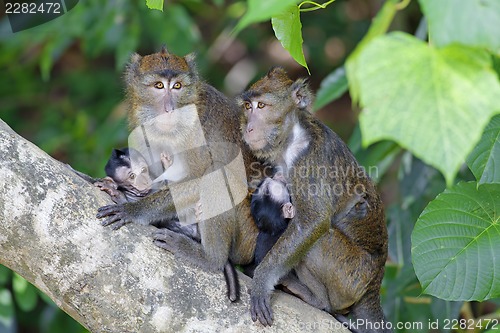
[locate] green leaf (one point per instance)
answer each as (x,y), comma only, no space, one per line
(288,31)
(484,161)
(263,10)
(6,311)
(434,102)
(379,26)
(4,274)
(472,22)
(456,241)
(155,4)
(24,293)
(332,87)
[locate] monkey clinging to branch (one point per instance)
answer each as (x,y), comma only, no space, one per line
(337,252)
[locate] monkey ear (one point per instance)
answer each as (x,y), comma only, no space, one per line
(301,94)
(132,68)
(288,210)
(191,61)
(276,71)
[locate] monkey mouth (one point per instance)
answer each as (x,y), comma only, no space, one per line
(257,144)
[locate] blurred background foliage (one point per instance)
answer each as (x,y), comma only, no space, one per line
(61,88)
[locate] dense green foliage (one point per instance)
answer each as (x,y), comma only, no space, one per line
(429,102)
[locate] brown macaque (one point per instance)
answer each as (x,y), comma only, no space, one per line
(337,240)
(173,110)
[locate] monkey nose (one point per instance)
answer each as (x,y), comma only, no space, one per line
(249,129)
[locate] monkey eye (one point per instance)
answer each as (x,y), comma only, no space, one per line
(132,176)
(248,105)
(177,85)
(144,169)
(261,105)
(159,85)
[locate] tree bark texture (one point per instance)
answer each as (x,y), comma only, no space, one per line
(114,281)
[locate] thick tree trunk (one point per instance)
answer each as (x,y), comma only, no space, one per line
(113,281)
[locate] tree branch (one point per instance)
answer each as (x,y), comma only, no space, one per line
(113,281)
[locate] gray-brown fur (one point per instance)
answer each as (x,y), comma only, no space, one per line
(228,236)
(337,253)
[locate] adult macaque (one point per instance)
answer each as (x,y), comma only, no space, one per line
(337,252)
(173,107)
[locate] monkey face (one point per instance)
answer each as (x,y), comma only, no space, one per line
(269,110)
(158,85)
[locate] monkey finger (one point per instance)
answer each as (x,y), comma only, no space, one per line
(120,224)
(161,244)
(107,210)
(110,220)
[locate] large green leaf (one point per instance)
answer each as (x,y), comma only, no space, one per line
(288,30)
(379,26)
(155,4)
(456,242)
(24,293)
(332,87)
(263,10)
(484,161)
(471,22)
(434,102)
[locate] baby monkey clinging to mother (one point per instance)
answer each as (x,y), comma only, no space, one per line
(338,252)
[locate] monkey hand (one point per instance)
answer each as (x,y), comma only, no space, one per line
(170,240)
(109,186)
(260,303)
(113,214)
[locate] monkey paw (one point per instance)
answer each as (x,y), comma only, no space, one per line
(260,305)
(167,239)
(166,160)
(113,214)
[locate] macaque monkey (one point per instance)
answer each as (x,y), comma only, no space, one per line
(173,107)
(337,252)
(272,209)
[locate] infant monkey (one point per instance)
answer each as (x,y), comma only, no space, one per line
(272,209)
(128,179)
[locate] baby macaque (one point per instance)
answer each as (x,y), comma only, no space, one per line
(272,209)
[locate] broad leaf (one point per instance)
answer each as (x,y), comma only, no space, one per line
(288,31)
(332,87)
(471,22)
(484,161)
(456,241)
(24,293)
(155,4)
(434,102)
(263,10)
(379,26)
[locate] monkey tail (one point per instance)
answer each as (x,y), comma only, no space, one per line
(233,284)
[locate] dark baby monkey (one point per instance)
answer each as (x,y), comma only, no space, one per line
(271,209)
(129,180)
(338,253)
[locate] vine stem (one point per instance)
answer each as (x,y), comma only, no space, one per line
(403,4)
(315,4)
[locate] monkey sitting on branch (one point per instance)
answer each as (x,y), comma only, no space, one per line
(170,105)
(338,253)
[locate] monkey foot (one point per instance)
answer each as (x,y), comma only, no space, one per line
(260,308)
(113,214)
(165,239)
